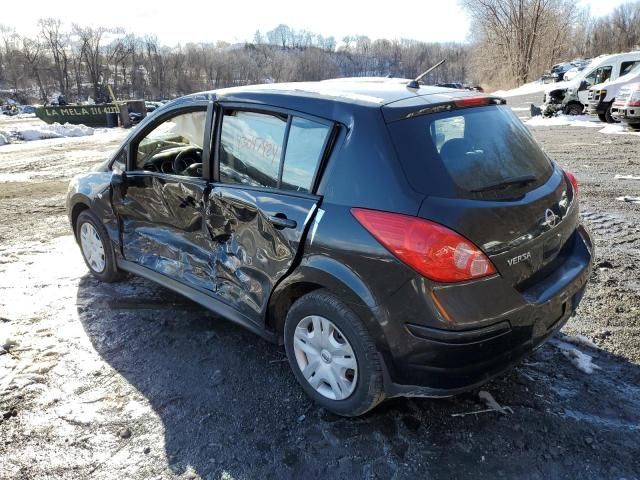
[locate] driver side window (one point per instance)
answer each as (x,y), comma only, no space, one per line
(174,146)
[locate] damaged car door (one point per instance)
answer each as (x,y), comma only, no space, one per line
(160,199)
(262,202)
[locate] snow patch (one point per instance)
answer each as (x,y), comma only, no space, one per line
(560,120)
(581,340)
(627,177)
(55,130)
(580,360)
(526,89)
(3,138)
(628,199)
(618,130)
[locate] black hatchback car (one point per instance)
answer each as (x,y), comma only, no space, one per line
(396,240)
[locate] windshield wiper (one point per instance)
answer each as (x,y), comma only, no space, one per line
(509,182)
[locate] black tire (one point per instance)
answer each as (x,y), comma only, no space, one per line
(574,108)
(110,273)
(602,117)
(607,116)
(368,391)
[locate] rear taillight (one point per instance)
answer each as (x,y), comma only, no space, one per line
(572,180)
(429,248)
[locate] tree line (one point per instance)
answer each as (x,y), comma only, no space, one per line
(510,42)
(78,61)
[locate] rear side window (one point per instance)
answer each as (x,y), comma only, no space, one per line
(304,148)
(253,152)
(626,67)
(483,152)
(250,147)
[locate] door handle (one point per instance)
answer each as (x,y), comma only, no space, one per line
(280,221)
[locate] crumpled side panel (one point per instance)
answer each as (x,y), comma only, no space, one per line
(162,229)
(251,254)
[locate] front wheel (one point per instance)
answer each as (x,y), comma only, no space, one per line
(574,108)
(608,117)
(332,355)
(96,247)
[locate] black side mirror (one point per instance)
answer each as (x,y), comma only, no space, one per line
(583,85)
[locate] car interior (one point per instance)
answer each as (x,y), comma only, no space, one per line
(174,147)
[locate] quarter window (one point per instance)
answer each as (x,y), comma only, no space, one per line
(304,149)
(120,161)
(251,147)
(626,67)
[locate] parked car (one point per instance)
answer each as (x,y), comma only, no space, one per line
(602,95)
(397,241)
(626,106)
(556,74)
(574,71)
(27,109)
(572,97)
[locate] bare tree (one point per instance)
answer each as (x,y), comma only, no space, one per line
(508,34)
(91,51)
(32,52)
(57,43)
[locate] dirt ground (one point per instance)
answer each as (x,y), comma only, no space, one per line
(129,380)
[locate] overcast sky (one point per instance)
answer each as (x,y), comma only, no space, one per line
(182,21)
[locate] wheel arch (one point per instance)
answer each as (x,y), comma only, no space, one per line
(320,272)
(79,204)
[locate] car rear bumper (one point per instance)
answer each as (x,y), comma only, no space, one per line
(439,362)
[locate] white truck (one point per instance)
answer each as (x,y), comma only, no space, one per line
(602,95)
(571,97)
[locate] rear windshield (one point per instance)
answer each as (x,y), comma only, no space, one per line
(481,152)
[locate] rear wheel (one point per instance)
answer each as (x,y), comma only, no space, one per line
(96,247)
(602,117)
(332,355)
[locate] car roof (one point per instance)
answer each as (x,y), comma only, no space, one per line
(366,92)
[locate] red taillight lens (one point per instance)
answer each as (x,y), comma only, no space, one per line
(429,248)
(572,180)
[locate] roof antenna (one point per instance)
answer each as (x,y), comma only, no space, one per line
(415,82)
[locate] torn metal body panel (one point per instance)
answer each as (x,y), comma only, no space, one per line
(162,227)
(255,237)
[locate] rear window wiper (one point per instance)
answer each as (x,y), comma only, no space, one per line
(515,181)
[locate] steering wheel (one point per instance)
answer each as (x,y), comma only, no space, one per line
(181,162)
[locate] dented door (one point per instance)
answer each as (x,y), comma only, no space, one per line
(162,228)
(256,236)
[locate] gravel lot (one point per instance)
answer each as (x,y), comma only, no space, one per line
(131,381)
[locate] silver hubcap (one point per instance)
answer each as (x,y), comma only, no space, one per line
(92,247)
(325,357)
